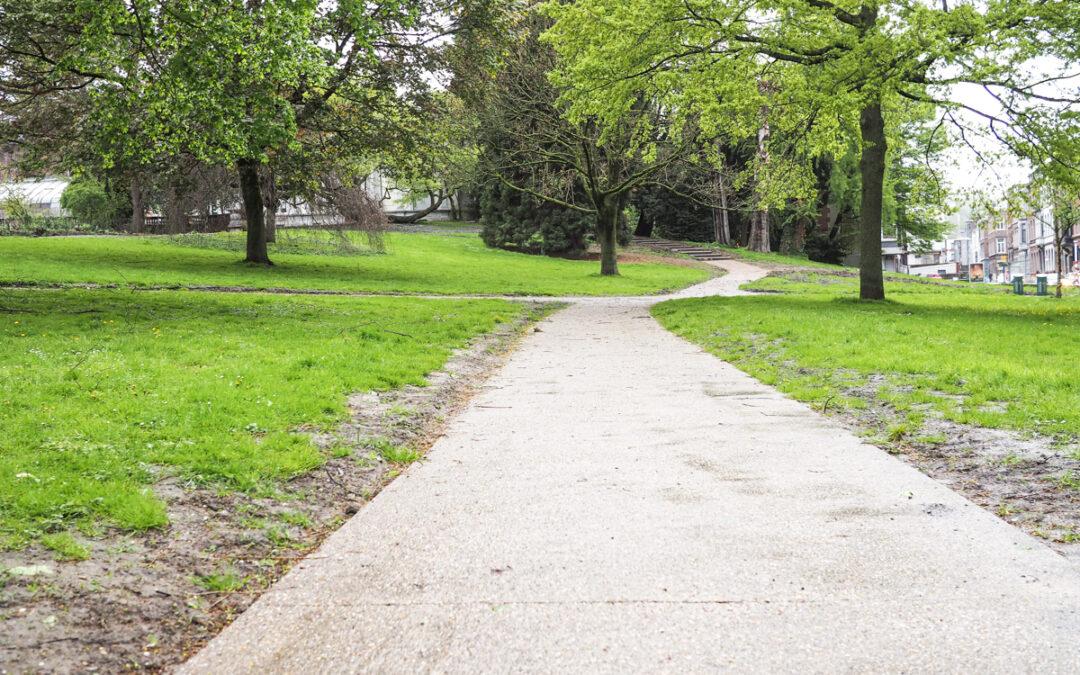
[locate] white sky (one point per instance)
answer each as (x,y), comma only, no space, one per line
(965,171)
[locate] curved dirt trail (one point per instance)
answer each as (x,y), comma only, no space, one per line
(618,500)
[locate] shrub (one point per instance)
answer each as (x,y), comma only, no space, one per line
(513,220)
(17,210)
(825,249)
(89,203)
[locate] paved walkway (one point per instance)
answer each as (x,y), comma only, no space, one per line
(618,500)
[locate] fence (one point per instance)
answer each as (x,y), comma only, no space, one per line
(44,225)
(41,225)
(216,222)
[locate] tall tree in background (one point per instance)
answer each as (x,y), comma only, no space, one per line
(201,78)
(566,160)
(243,83)
(1057,187)
(838,64)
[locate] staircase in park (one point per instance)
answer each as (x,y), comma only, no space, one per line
(685,248)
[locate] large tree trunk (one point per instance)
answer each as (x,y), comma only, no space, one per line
(1060,265)
(468,205)
(270,203)
(823,177)
(270,223)
(175,218)
(251,192)
(759,221)
(413,217)
(872,169)
(721,223)
(607,229)
(759,232)
(138,209)
(798,239)
(793,233)
(453,207)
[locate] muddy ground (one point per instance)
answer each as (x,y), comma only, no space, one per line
(145,602)
(1022,478)
(1028,480)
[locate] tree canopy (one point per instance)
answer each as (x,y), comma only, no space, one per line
(260,85)
(832,70)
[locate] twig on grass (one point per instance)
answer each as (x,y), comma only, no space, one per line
(335,481)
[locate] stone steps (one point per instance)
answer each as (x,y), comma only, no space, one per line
(682,247)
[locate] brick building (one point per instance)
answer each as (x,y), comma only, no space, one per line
(1022,245)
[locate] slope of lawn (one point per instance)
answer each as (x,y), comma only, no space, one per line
(775,259)
(973,353)
(102,392)
(414,263)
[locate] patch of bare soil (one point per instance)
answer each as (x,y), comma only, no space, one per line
(148,601)
(1023,478)
(820,275)
(643,255)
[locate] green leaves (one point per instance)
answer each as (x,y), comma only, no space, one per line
(822,60)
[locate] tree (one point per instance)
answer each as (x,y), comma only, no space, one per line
(836,65)
(241,83)
(1065,201)
(570,160)
(206,79)
(87,201)
(915,199)
(673,215)
(515,220)
(444,159)
(1060,191)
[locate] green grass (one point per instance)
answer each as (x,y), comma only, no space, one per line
(449,225)
(103,393)
(842,282)
(972,353)
(225,581)
(414,263)
(394,454)
(64,546)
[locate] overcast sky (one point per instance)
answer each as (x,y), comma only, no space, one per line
(964,170)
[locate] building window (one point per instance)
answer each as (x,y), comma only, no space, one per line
(1023,231)
(1001,244)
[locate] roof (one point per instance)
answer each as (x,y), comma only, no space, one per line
(36,191)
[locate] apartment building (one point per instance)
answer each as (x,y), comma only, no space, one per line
(1022,245)
(956,256)
(994,249)
(1075,236)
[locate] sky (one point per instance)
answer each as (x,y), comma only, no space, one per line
(964,170)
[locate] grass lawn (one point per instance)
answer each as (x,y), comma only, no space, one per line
(102,392)
(973,353)
(414,263)
(448,225)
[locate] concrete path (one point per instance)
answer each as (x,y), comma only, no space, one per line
(618,500)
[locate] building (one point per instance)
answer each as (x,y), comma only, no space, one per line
(40,195)
(956,256)
(1022,245)
(894,256)
(994,249)
(1075,241)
